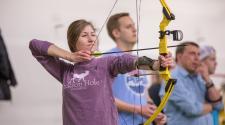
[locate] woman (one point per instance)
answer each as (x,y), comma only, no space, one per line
(87,94)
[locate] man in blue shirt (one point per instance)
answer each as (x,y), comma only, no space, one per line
(187,104)
(127,89)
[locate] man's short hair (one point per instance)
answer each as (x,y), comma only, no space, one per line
(180,49)
(113,23)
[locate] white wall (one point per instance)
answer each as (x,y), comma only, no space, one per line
(37,99)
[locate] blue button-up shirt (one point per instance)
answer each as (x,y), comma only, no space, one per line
(185,106)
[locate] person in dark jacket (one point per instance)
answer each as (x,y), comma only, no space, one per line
(7,77)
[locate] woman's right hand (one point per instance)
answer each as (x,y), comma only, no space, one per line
(80,56)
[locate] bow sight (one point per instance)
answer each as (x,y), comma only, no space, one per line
(177,34)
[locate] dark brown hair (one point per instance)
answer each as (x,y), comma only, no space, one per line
(113,23)
(74,31)
(180,49)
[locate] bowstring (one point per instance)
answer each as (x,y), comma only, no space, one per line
(110,12)
(138,17)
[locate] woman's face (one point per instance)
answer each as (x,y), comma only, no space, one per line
(87,39)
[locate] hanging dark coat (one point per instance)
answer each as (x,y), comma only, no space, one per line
(7,77)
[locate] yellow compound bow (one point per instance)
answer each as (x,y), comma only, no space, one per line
(163,50)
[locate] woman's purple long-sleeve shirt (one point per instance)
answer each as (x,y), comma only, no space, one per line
(87,91)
